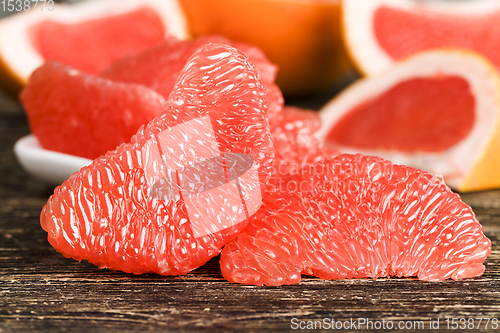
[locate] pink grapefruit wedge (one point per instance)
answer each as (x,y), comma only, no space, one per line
(88,35)
(437,111)
(379,32)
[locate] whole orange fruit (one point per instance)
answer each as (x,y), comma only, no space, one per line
(301,36)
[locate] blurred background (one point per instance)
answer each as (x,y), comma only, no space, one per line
(314,96)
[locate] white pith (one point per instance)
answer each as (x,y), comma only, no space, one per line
(18,52)
(455,163)
(359,27)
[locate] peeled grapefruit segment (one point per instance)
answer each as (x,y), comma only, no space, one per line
(379,32)
(295,145)
(358,217)
(291,128)
(88,35)
(183,187)
(85,115)
(159,67)
(437,111)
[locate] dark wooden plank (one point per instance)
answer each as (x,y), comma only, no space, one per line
(41,290)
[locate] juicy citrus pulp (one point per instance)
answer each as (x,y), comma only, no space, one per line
(437,111)
(87,35)
(292,129)
(357,217)
(113,38)
(468,31)
(294,142)
(85,115)
(159,67)
(108,213)
(379,32)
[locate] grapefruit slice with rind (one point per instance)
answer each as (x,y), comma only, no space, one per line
(358,217)
(437,111)
(185,185)
(379,32)
(88,35)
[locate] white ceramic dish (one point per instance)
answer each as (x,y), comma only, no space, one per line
(47,165)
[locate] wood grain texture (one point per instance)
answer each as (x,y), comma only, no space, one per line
(43,291)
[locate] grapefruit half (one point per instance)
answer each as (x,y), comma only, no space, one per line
(379,32)
(437,111)
(88,35)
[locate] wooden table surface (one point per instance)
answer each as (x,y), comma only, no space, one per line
(43,291)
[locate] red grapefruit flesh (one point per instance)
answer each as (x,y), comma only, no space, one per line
(439,110)
(88,35)
(296,119)
(295,145)
(424,30)
(380,32)
(159,67)
(358,217)
(85,115)
(113,38)
(145,207)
